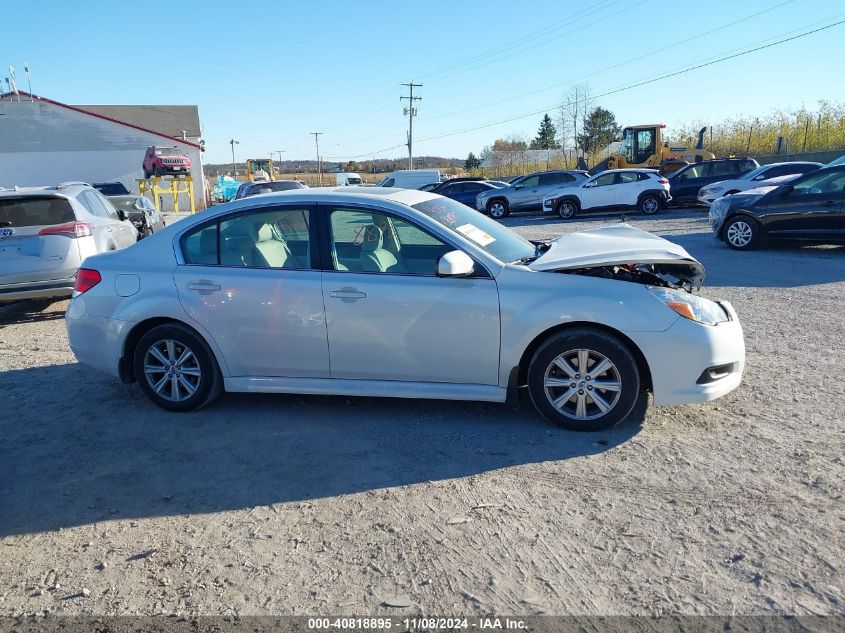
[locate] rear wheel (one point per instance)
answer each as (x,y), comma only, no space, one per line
(176,369)
(742,233)
(649,205)
(567,209)
(498,209)
(583,380)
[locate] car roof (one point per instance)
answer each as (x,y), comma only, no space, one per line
(337,195)
(65,190)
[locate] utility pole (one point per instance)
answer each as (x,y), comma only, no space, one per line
(233,142)
(319,170)
(279,152)
(411,111)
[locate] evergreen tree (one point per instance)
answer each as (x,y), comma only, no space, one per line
(472,162)
(600,129)
(546,135)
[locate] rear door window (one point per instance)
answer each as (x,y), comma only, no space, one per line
(35,211)
(626,176)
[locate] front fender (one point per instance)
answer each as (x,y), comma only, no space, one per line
(535,302)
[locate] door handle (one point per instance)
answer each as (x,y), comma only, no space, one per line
(347,293)
(829,203)
(203,286)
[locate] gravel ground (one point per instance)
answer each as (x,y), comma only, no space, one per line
(281,504)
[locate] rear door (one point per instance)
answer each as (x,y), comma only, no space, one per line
(813,208)
(249,280)
(628,187)
(27,255)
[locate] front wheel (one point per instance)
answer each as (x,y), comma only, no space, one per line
(649,205)
(742,233)
(176,369)
(583,380)
(567,209)
(498,209)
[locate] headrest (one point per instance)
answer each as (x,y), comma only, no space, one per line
(373,238)
(262,232)
(208,241)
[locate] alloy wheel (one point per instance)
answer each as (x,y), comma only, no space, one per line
(650,205)
(582,384)
(497,210)
(739,234)
(172,370)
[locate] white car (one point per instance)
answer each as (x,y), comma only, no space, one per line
(403,294)
(772,174)
(46,233)
(642,189)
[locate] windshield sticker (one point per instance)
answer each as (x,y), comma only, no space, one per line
(475,234)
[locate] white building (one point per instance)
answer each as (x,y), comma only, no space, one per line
(44,142)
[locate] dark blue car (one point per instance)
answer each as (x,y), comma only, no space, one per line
(464,191)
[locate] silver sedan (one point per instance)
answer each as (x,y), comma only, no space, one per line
(403,294)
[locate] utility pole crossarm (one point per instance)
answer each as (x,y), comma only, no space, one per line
(411,111)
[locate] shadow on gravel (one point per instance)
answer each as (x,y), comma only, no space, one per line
(80,448)
(28,312)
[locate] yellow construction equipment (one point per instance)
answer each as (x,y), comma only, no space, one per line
(259,169)
(174,186)
(644,146)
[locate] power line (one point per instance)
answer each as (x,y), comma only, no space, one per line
(640,83)
(615,66)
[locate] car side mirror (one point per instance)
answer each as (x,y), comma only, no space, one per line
(518,187)
(455,264)
(590,184)
(121,214)
(785,190)
(760,177)
(138,205)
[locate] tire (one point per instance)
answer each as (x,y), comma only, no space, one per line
(649,205)
(567,209)
(157,172)
(147,174)
(498,209)
(741,233)
(580,411)
(192,390)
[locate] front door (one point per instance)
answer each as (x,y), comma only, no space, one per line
(600,193)
(248,281)
(526,193)
(812,208)
(390,317)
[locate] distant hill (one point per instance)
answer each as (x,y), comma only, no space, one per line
(310,166)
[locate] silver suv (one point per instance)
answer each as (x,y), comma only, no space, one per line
(47,232)
(527,193)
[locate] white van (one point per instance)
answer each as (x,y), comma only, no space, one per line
(410,178)
(345,178)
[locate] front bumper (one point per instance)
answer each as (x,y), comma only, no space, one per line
(678,358)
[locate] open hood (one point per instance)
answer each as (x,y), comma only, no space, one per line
(620,245)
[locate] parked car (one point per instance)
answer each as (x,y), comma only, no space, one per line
(808,208)
(111,188)
(410,178)
(47,232)
(760,177)
(686,182)
(527,193)
(162,161)
(404,294)
(141,212)
(643,189)
(464,191)
(270,186)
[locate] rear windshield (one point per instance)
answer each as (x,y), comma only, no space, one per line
(111,188)
(35,211)
(266,187)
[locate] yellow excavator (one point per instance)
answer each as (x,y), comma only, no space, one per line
(259,169)
(644,146)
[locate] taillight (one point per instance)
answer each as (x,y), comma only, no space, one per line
(663,181)
(86,278)
(71,229)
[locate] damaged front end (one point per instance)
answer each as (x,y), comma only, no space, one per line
(623,253)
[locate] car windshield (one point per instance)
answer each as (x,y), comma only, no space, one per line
(111,188)
(753,173)
(499,241)
(167,151)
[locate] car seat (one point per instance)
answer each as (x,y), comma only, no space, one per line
(272,249)
(374,257)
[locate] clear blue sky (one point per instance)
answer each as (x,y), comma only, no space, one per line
(267,74)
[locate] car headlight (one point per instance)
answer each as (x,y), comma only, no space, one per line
(690,306)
